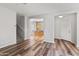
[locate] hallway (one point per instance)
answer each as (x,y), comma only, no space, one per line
(59,48)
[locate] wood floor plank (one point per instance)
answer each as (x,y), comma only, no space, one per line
(66,49)
(70,48)
(41,52)
(74,48)
(63,48)
(39,48)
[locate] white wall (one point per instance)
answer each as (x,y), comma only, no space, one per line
(7,27)
(78,29)
(73,18)
(28,28)
(26,21)
(49,27)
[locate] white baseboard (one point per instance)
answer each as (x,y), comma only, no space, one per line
(49,41)
(7,44)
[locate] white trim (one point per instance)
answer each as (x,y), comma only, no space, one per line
(49,41)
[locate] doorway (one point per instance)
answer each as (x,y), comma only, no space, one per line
(20,29)
(65,27)
(36,29)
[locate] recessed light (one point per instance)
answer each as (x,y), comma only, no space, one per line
(38,20)
(60,16)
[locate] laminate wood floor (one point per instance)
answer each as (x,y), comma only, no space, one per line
(39,48)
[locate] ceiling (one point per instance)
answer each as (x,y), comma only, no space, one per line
(31,9)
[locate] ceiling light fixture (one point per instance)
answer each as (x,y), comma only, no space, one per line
(39,19)
(60,16)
